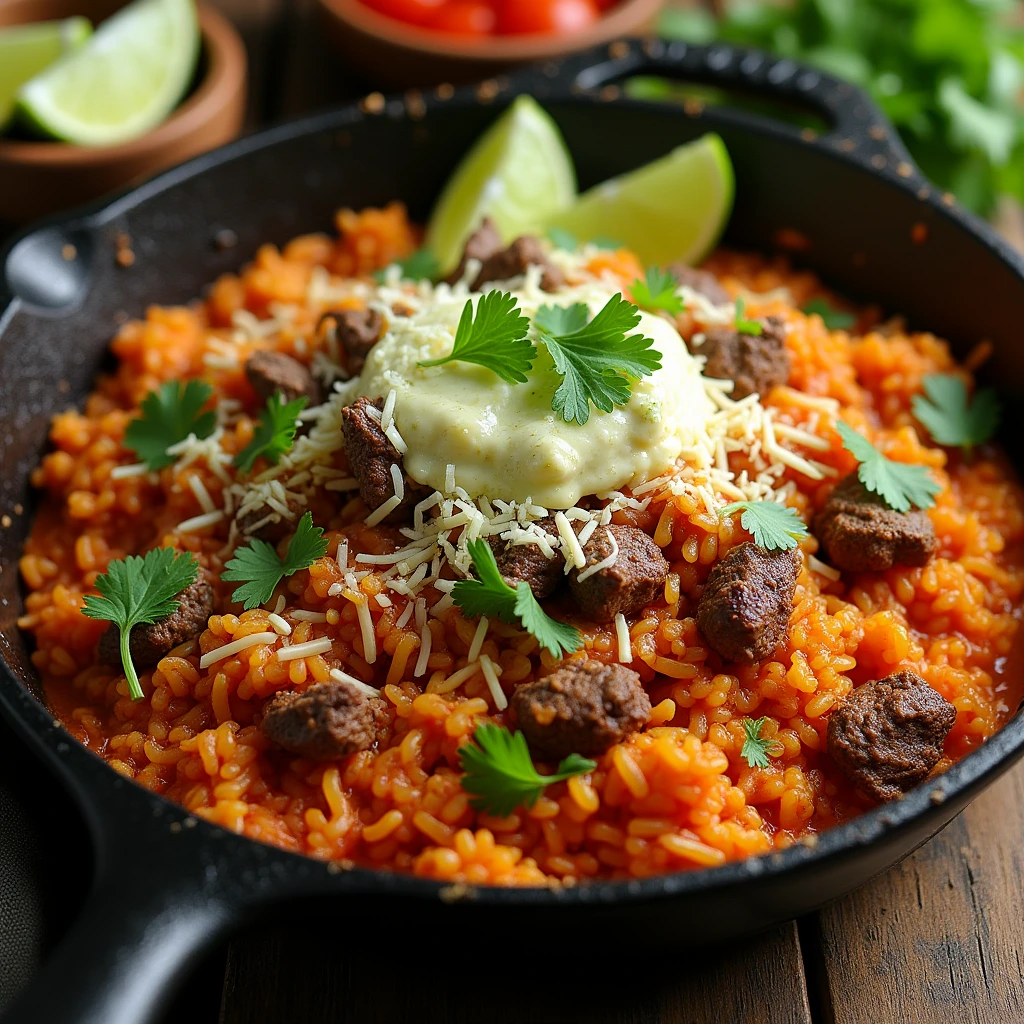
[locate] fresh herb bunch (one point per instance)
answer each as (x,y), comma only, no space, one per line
(136,590)
(168,417)
(947,73)
(657,292)
(950,419)
(774,527)
(755,749)
(274,434)
(500,775)
(900,485)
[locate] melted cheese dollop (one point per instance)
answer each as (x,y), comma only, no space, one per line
(505,440)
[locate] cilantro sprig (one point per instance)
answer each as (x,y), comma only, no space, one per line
(260,568)
(490,595)
(899,484)
(743,325)
(949,418)
(136,590)
(500,775)
(421,265)
(834,319)
(657,292)
(773,526)
(274,434)
(755,749)
(599,360)
(495,338)
(169,416)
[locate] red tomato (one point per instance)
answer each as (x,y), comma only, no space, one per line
(522,17)
(464,18)
(415,12)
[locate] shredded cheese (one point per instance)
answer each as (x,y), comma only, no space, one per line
(281,626)
(491,677)
(200,522)
(306,650)
(605,563)
(343,677)
(243,644)
(622,637)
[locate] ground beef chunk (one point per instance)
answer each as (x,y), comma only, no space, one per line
(527,562)
(747,600)
(860,533)
(273,526)
(326,721)
(754,362)
(272,372)
(149,642)
(887,735)
(371,456)
(584,707)
(702,281)
(481,246)
(357,331)
(626,586)
(498,263)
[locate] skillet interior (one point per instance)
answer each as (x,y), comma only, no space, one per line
(165,883)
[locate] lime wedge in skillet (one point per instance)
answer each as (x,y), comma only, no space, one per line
(672,209)
(519,173)
(124,81)
(25,50)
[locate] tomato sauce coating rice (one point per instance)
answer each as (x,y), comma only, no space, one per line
(675,796)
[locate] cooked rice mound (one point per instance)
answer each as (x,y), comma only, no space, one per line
(677,795)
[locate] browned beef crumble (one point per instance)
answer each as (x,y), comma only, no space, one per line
(371,455)
(480,246)
(276,528)
(747,601)
(518,562)
(149,642)
(754,362)
(498,263)
(702,281)
(860,533)
(273,373)
(629,584)
(329,720)
(887,735)
(357,331)
(583,707)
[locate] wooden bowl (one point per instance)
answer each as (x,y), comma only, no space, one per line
(394,54)
(37,178)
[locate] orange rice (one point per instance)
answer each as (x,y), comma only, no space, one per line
(676,796)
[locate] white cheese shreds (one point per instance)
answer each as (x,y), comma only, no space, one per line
(366,630)
(301,615)
(622,637)
(605,563)
(383,601)
(478,639)
(280,625)
(491,677)
(280,604)
(571,547)
(387,414)
(449,478)
(828,571)
(403,620)
(202,494)
(383,511)
(426,638)
(200,522)
(396,438)
(396,479)
(343,677)
(306,650)
(123,472)
(222,653)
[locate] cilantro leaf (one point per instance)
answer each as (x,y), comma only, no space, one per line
(899,484)
(598,360)
(755,749)
(275,432)
(169,416)
(773,526)
(562,239)
(261,568)
(421,265)
(948,417)
(657,292)
(490,595)
(495,338)
(500,774)
(136,590)
(743,325)
(834,319)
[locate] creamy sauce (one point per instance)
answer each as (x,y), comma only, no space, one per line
(503,439)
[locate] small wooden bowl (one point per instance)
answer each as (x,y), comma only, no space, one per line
(394,54)
(37,178)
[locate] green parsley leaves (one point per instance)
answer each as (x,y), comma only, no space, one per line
(275,432)
(773,526)
(137,590)
(948,417)
(500,775)
(657,292)
(834,319)
(899,484)
(743,325)
(755,749)
(421,265)
(260,568)
(490,595)
(598,360)
(495,338)
(169,416)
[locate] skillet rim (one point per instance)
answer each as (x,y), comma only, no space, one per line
(62,752)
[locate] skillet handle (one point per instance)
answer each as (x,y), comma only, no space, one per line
(152,910)
(857,126)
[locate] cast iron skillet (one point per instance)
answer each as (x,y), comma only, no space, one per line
(166,884)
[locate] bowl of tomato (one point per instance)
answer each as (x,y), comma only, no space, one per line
(398,43)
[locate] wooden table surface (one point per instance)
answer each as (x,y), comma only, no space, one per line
(938,939)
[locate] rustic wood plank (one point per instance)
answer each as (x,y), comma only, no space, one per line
(941,936)
(290,973)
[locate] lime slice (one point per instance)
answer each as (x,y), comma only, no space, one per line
(124,81)
(519,173)
(672,209)
(26,49)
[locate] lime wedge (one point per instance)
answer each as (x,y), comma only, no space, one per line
(519,173)
(124,81)
(26,49)
(672,209)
